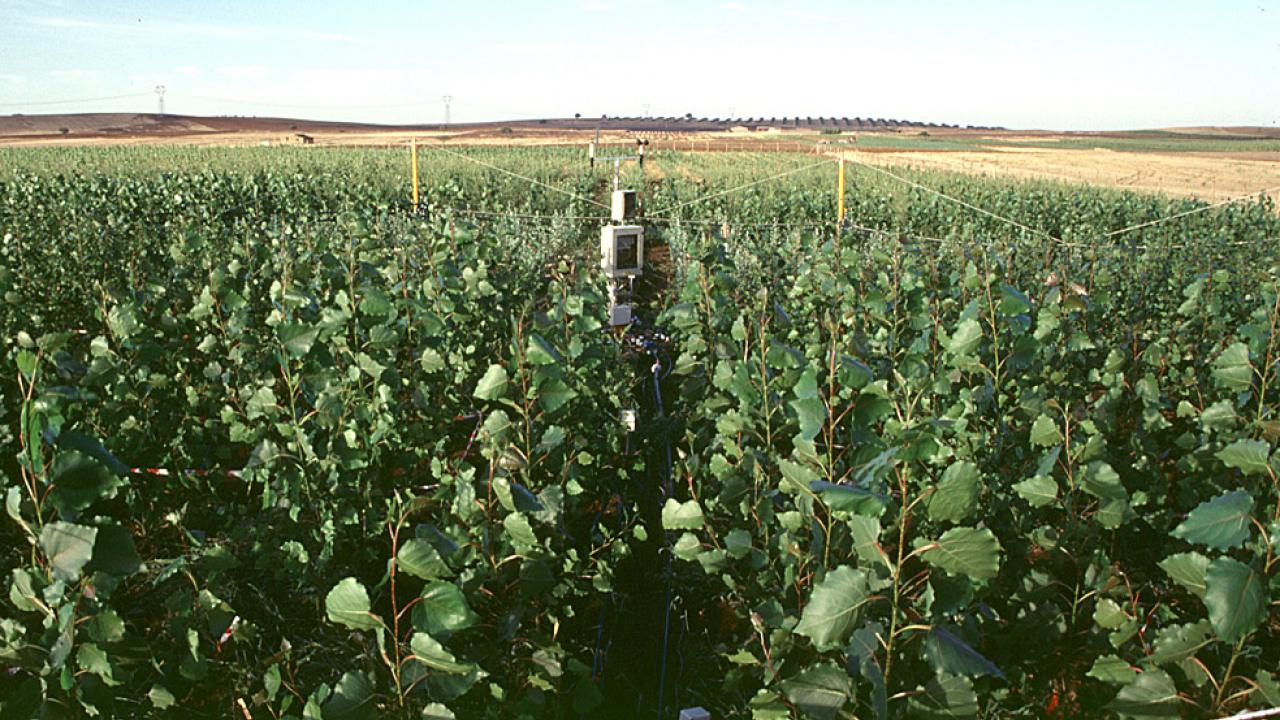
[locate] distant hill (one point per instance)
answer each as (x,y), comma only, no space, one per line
(145,124)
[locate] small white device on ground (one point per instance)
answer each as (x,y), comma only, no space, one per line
(694,713)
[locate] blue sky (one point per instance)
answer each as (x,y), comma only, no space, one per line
(1078,65)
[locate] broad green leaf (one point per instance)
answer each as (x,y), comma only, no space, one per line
(114,552)
(1249,456)
(348,604)
(957,495)
(819,691)
(553,394)
(848,498)
(1233,370)
(541,352)
(1220,523)
(1038,491)
(687,547)
(1188,570)
(68,547)
(945,696)
(352,699)
(797,478)
(1267,691)
(437,711)
(947,653)
(865,532)
(428,651)
(92,659)
(1102,481)
(23,592)
(442,608)
(161,698)
(1236,596)
(1150,695)
(681,516)
(297,338)
(965,338)
(811,414)
(1175,643)
(79,481)
(431,360)
(493,385)
(1113,670)
(520,531)
(833,607)
(1044,432)
(78,441)
(972,552)
(1109,615)
(418,558)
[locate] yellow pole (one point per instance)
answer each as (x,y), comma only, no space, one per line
(840,195)
(413,160)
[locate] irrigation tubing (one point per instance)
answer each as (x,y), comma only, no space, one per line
(657,372)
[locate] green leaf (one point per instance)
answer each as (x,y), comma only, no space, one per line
(1188,570)
(418,558)
(23,592)
(79,481)
(1176,643)
(428,651)
(833,607)
(1232,369)
(848,498)
(78,441)
(431,360)
(965,338)
(865,532)
(352,698)
(68,547)
(972,552)
(681,516)
(1044,432)
(1220,523)
(819,691)
(1113,670)
(687,547)
(957,495)
(541,352)
(1236,596)
(348,604)
(1109,615)
(945,696)
(1102,481)
(92,659)
(437,711)
(442,608)
(1249,456)
(161,698)
(947,653)
(1038,491)
(520,531)
(1150,695)
(493,385)
(114,552)
(297,338)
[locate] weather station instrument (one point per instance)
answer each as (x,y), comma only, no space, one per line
(622,241)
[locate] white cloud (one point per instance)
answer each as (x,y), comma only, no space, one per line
(244,72)
(734,7)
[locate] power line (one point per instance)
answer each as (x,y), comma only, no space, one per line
(526,178)
(79,100)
